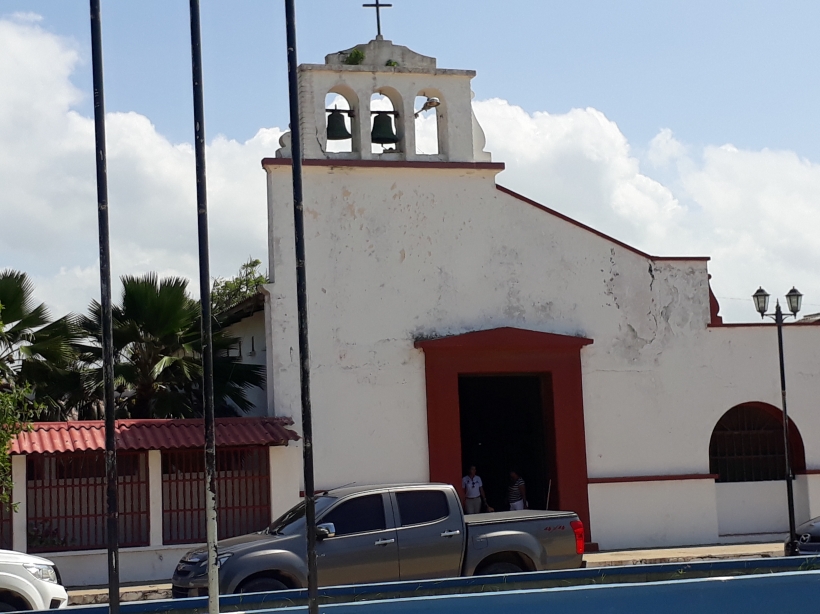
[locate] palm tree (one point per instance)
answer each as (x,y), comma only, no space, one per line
(34,350)
(157,353)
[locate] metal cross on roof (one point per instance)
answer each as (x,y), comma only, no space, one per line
(378,6)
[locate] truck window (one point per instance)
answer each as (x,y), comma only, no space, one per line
(358,515)
(419,506)
(293,518)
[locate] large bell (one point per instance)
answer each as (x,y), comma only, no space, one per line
(382,132)
(336,129)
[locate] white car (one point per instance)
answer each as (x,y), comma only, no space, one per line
(29,583)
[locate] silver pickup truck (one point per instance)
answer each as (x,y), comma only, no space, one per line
(387,533)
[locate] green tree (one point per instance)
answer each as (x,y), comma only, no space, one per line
(16,403)
(227,293)
(158,366)
(16,410)
(35,351)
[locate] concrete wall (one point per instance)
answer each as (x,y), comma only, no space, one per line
(748,508)
(90,567)
(810,508)
(398,253)
(660,513)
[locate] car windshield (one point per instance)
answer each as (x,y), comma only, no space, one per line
(294,519)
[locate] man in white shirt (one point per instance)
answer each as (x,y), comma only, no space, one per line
(474,495)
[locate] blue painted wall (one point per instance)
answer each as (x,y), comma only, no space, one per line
(769,585)
(766,594)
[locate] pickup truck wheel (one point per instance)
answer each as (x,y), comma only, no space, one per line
(262,585)
(8,607)
(500,568)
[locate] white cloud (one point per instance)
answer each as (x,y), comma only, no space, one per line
(579,163)
(24,17)
(760,210)
(664,148)
(49,194)
(752,211)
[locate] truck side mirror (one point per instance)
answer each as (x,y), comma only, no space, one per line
(326,529)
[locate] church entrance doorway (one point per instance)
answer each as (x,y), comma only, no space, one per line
(517,358)
(503,428)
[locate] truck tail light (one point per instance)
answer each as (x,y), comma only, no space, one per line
(578,529)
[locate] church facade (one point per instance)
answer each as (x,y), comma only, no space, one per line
(456,322)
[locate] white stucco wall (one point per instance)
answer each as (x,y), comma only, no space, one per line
(661,513)
(396,253)
(285,478)
(90,567)
(748,508)
(811,507)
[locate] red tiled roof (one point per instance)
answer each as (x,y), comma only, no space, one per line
(89,435)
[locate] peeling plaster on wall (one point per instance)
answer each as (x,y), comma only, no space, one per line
(656,379)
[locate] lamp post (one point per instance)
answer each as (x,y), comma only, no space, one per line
(793,301)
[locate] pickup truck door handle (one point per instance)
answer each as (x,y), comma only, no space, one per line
(384,542)
(451,533)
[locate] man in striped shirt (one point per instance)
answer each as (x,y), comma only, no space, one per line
(517,492)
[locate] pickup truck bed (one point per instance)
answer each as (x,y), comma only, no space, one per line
(545,537)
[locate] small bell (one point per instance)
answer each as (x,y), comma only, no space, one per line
(336,129)
(382,132)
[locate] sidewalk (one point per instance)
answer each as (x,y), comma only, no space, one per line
(86,596)
(145,592)
(683,555)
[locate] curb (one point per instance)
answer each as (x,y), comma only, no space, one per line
(136,593)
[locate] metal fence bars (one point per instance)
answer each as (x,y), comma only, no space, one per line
(65,501)
(747,446)
(243,493)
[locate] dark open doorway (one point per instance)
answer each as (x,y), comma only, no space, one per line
(507,423)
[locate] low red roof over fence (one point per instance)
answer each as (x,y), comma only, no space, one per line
(89,435)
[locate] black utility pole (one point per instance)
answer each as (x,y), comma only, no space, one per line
(205,303)
(302,308)
(792,546)
(111,518)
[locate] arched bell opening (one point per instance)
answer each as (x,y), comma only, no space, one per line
(341,135)
(387,126)
(426,124)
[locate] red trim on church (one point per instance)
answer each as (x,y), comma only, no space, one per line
(470,166)
(715,318)
(654,478)
(505,351)
(597,232)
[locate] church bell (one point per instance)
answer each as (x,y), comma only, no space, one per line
(336,129)
(382,132)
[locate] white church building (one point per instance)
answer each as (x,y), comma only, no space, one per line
(456,322)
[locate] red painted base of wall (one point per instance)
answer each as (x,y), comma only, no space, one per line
(509,351)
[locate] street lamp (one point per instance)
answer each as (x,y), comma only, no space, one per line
(793,300)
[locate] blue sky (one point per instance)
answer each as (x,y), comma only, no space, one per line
(683,128)
(713,72)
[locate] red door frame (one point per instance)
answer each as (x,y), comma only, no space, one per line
(509,350)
